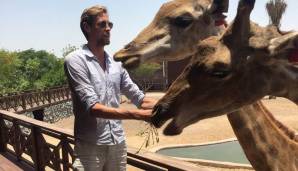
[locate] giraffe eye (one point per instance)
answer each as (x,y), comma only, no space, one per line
(182,21)
(220,73)
(220,70)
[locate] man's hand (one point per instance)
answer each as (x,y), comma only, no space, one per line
(143,114)
(148,103)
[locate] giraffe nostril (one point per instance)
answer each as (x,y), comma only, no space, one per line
(130,45)
(157,109)
(155,118)
(160,115)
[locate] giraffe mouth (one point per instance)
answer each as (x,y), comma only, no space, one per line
(128,62)
(220,20)
(172,129)
(161,114)
(293,57)
(131,63)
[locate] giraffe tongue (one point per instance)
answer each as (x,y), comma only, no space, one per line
(220,22)
(293,57)
(220,19)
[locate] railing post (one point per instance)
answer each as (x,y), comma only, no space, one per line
(65,158)
(2,136)
(24,106)
(37,149)
(16,140)
(68,93)
(49,96)
(36,97)
(7,103)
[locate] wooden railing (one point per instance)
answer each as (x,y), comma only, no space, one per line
(27,101)
(44,146)
(33,100)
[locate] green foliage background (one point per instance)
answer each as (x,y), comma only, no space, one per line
(29,69)
(146,70)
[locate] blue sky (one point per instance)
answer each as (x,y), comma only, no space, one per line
(52,25)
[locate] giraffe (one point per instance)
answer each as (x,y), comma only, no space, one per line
(245,55)
(230,71)
(268,144)
(219,65)
(177,22)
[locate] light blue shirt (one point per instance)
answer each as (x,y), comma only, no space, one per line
(90,84)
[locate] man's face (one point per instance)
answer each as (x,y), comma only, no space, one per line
(100,30)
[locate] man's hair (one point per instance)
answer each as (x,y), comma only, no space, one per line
(89,15)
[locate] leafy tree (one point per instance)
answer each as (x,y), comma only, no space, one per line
(33,60)
(68,49)
(35,64)
(54,77)
(146,70)
(29,69)
(8,72)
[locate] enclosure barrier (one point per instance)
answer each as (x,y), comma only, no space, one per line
(32,100)
(44,146)
(27,101)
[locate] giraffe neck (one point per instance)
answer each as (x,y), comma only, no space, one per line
(267,143)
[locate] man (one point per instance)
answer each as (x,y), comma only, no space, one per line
(96,81)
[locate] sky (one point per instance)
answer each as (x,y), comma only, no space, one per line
(53,24)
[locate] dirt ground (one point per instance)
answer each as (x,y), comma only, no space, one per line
(213,129)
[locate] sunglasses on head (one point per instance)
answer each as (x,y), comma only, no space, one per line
(104,24)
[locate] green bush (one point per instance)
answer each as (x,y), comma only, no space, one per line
(146,70)
(29,69)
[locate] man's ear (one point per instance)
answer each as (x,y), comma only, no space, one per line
(283,44)
(86,27)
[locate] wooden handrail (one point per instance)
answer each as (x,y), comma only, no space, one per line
(60,156)
(26,101)
(31,100)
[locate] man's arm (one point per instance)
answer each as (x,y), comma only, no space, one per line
(79,81)
(102,111)
(132,91)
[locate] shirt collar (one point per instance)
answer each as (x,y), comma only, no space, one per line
(89,54)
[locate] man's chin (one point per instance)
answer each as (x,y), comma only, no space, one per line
(107,42)
(103,42)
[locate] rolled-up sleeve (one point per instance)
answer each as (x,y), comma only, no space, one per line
(77,75)
(130,89)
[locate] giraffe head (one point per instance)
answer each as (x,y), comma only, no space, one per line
(227,72)
(174,32)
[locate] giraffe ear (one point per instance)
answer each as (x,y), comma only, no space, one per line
(286,44)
